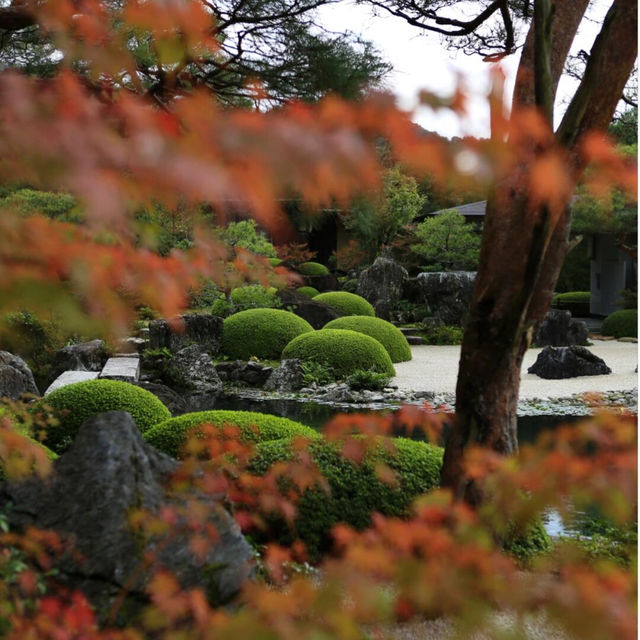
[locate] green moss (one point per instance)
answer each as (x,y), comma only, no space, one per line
(263,333)
(313,269)
(274,262)
(384,332)
(310,292)
(343,351)
(356,492)
(169,436)
(348,304)
(78,402)
(572,296)
(621,324)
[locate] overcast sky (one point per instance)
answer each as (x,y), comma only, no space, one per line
(420,61)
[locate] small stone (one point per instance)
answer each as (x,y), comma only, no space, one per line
(15,377)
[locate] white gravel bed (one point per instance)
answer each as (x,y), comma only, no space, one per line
(435,368)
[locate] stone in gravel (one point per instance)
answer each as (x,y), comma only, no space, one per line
(554,363)
(15,377)
(287,377)
(196,328)
(382,285)
(109,471)
(559,329)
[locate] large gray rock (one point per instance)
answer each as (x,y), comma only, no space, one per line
(447,294)
(109,471)
(287,377)
(252,373)
(559,329)
(84,356)
(202,329)
(15,377)
(192,368)
(382,284)
(554,363)
(176,403)
(317,314)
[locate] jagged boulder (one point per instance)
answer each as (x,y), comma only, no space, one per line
(255,374)
(194,328)
(15,377)
(446,293)
(109,471)
(176,403)
(382,284)
(555,363)
(287,377)
(559,329)
(192,369)
(317,314)
(84,356)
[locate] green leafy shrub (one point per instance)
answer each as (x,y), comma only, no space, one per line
(384,332)
(443,335)
(527,545)
(313,269)
(372,380)
(621,324)
(78,402)
(348,304)
(255,296)
(275,262)
(245,234)
(575,301)
(62,206)
(310,292)
(221,307)
(343,351)
(170,436)
(316,373)
(263,333)
(356,492)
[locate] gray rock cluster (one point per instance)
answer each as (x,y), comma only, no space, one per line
(447,294)
(15,377)
(202,329)
(84,356)
(382,284)
(559,329)
(287,377)
(554,363)
(192,369)
(255,374)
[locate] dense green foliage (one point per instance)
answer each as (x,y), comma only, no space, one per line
(355,491)
(621,324)
(255,296)
(575,274)
(262,333)
(615,214)
(448,243)
(443,335)
(171,435)
(310,292)
(245,234)
(345,303)
(78,402)
(527,545)
(384,332)
(344,352)
(371,380)
(313,269)
(61,206)
(275,262)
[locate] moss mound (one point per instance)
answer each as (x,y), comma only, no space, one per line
(78,402)
(274,262)
(348,304)
(356,492)
(621,324)
(343,351)
(169,436)
(254,296)
(263,333)
(313,269)
(384,332)
(310,292)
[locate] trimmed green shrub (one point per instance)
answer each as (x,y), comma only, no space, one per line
(443,335)
(348,304)
(356,492)
(575,301)
(245,234)
(621,324)
(310,292)
(255,296)
(313,269)
(343,351)
(170,436)
(384,332)
(78,402)
(371,380)
(263,333)
(274,262)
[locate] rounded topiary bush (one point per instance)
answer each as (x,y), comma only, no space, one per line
(575,301)
(621,324)
(275,262)
(263,333)
(255,296)
(384,332)
(313,269)
(78,402)
(170,436)
(343,351)
(348,304)
(310,292)
(356,492)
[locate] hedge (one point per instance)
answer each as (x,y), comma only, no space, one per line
(343,351)
(78,402)
(578,302)
(313,269)
(356,492)
(170,436)
(384,332)
(310,292)
(345,303)
(263,333)
(621,324)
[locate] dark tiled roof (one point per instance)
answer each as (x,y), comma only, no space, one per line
(472,209)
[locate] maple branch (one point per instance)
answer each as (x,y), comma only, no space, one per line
(542,20)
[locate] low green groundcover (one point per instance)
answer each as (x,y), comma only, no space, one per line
(255,296)
(78,402)
(345,303)
(384,332)
(621,324)
(310,292)
(343,351)
(355,491)
(313,269)
(263,333)
(170,436)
